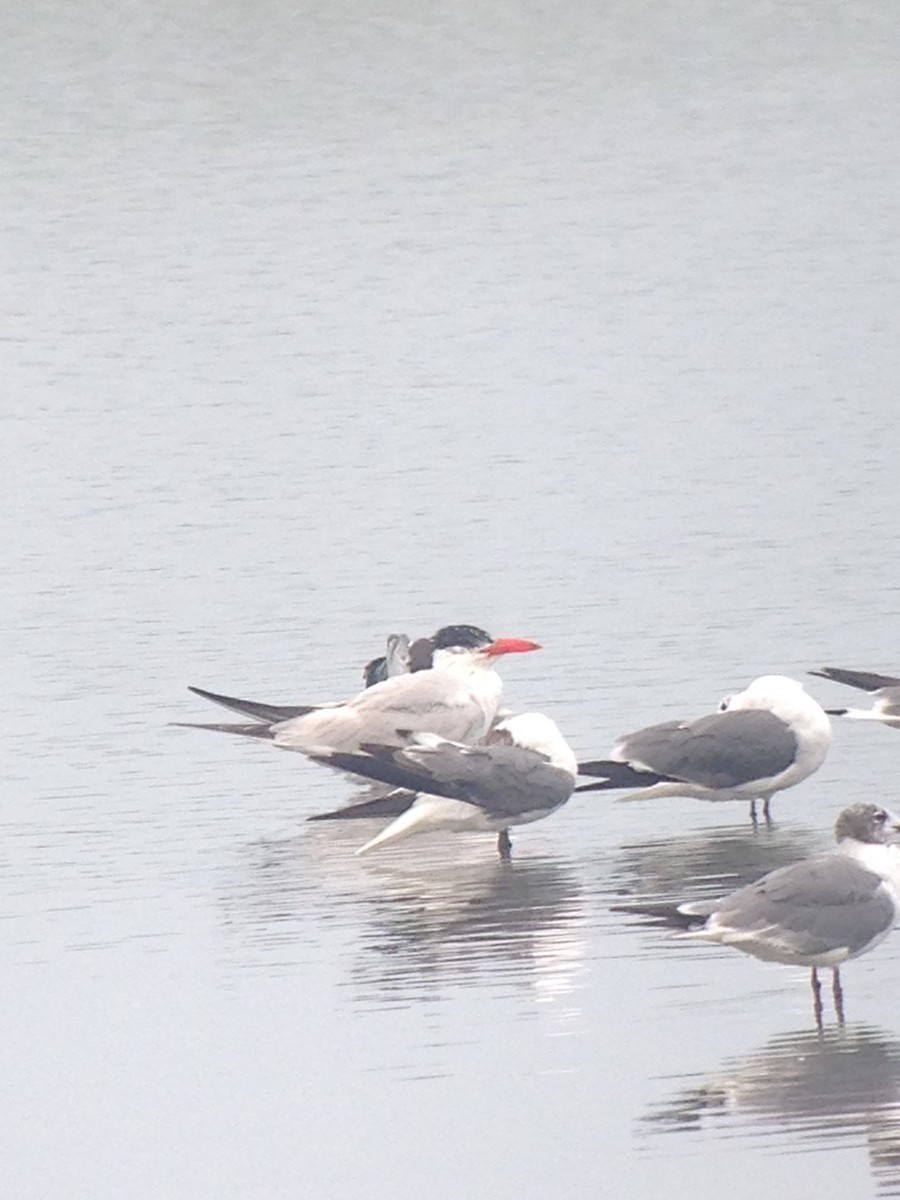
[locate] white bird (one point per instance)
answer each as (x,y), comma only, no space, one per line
(820,911)
(400,658)
(457,698)
(523,771)
(885,691)
(766,738)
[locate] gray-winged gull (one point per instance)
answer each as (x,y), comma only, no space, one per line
(820,911)
(523,771)
(766,738)
(885,690)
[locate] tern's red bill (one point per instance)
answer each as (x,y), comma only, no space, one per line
(509,646)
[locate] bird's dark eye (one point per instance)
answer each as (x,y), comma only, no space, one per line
(881,816)
(723,704)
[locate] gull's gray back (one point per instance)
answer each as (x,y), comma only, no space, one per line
(810,907)
(718,751)
(506,781)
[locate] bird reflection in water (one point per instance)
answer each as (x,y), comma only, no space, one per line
(806,1089)
(435,913)
(650,877)
(444,920)
(816,911)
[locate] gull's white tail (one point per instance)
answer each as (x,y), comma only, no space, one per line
(426,814)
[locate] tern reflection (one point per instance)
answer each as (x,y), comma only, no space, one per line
(813,1087)
(430,913)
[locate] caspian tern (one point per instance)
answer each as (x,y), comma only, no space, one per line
(401,657)
(768,737)
(456,698)
(885,691)
(820,911)
(522,771)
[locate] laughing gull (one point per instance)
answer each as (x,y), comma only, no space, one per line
(820,911)
(400,658)
(885,690)
(768,737)
(456,698)
(522,771)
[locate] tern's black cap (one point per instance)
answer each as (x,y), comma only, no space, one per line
(470,637)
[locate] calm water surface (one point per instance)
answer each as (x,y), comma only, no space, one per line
(325,321)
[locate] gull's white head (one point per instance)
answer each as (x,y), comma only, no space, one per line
(788,700)
(768,691)
(534,731)
(869,824)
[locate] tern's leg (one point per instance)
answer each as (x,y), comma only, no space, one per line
(837,993)
(504,845)
(817,998)
(753,812)
(766,814)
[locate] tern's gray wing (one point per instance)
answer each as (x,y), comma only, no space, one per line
(506,781)
(866,681)
(256,730)
(810,907)
(427,701)
(268,713)
(719,751)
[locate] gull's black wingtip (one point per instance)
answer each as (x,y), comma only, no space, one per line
(865,681)
(615,774)
(663,913)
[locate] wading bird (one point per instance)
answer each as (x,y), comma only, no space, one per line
(766,738)
(522,771)
(820,911)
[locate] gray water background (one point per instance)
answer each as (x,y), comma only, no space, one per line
(324,320)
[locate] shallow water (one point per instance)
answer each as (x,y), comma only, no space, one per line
(323,323)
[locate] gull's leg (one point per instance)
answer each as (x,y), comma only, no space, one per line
(837,994)
(817,998)
(504,845)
